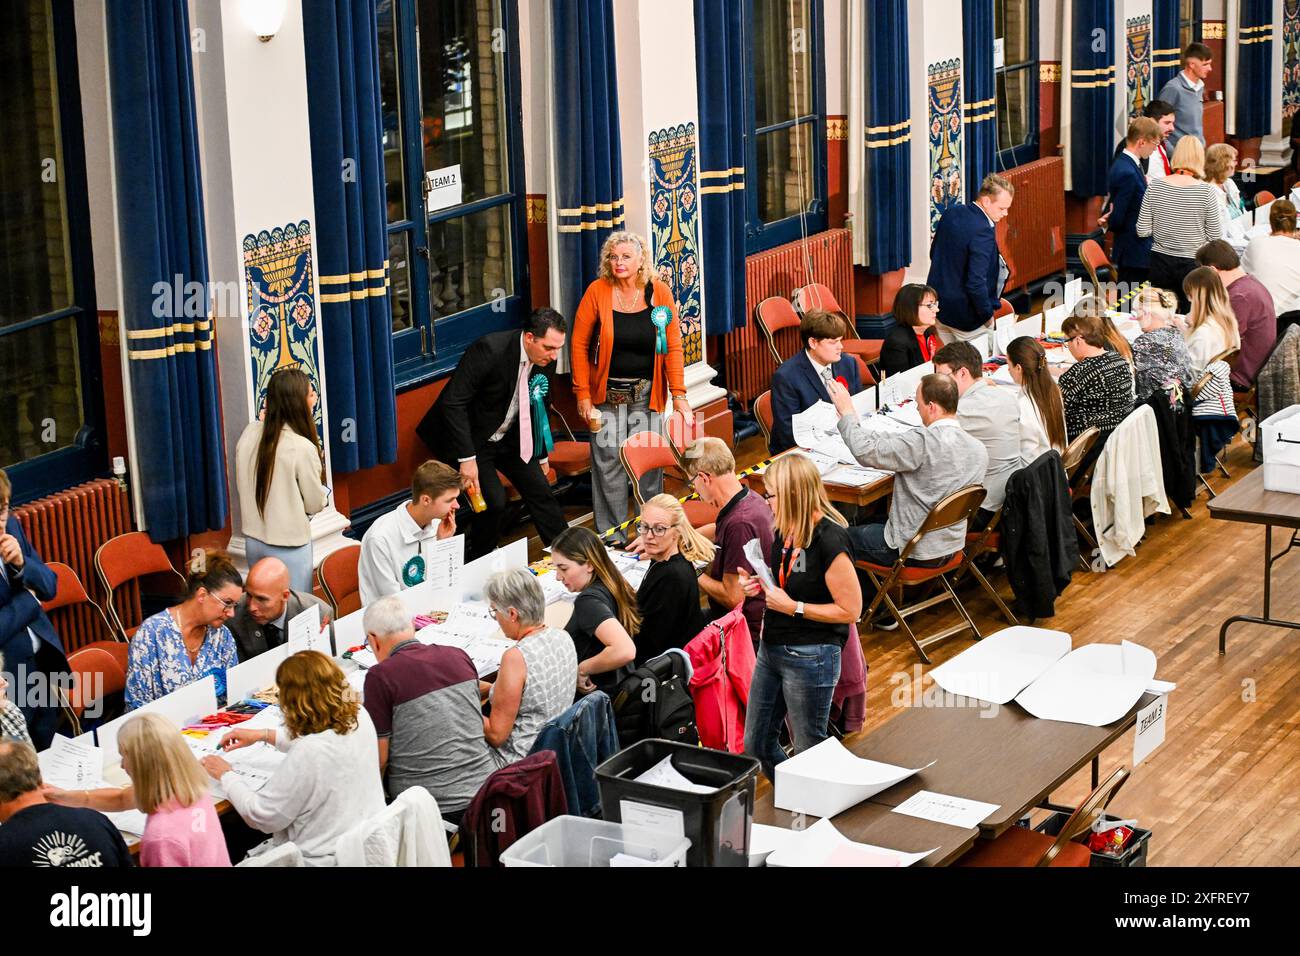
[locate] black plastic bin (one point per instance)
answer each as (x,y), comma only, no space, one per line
(1135,854)
(716,823)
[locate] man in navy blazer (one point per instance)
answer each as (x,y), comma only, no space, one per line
(966,269)
(32,651)
(1128,184)
(800,382)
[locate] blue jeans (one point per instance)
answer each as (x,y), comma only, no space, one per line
(869,545)
(798,680)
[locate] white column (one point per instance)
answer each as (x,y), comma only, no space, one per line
(1276,148)
(257,177)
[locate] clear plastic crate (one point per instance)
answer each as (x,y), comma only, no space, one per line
(578,841)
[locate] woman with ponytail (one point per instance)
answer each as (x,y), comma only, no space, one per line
(669,596)
(1042,412)
(280,475)
(605,617)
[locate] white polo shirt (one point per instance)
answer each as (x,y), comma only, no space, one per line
(391,542)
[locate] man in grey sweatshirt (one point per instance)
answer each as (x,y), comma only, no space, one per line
(1185,92)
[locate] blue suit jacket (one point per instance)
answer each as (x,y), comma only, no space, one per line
(1128,184)
(20,609)
(796,388)
(964,268)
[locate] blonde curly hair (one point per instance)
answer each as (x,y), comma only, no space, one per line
(644,274)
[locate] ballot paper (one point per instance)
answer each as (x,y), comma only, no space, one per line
(758,561)
(828,779)
(823,845)
(553,591)
(127,821)
(1094,685)
(253,765)
(906,412)
(942,808)
(305,633)
(999,667)
(664,774)
(632,567)
(486,653)
(765,840)
(443,562)
(365,658)
(1003,376)
(825,464)
(856,476)
(817,429)
(71,764)
(357,681)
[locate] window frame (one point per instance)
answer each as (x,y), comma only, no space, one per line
(761,236)
(87,456)
(1194,24)
(1028,151)
(432,348)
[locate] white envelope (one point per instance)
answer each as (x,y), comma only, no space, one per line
(1094,685)
(999,667)
(828,779)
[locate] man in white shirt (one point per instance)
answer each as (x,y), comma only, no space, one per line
(989,413)
(393,551)
(1275,259)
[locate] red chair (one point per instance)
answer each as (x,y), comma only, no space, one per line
(763,414)
(340,581)
(1095,260)
(134,557)
(1263,198)
(1005,308)
(817,296)
(645,452)
(776,315)
(68,598)
(1022,847)
(570,457)
(681,436)
(98,673)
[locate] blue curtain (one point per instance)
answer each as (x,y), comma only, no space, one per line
(720,75)
(1254,69)
(1092,95)
(889,137)
(173,376)
(347,161)
(981,106)
(588,159)
(1166,50)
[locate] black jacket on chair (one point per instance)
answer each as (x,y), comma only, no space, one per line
(1177,447)
(1039,546)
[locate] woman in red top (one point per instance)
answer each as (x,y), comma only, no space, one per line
(912,341)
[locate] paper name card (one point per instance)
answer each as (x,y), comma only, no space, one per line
(254,674)
(999,667)
(823,845)
(828,779)
(1094,685)
(305,635)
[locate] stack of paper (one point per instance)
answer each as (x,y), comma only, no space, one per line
(827,779)
(999,667)
(1094,685)
(664,774)
(553,591)
(822,845)
(632,567)
(817,429)
(856,476)
(906,412)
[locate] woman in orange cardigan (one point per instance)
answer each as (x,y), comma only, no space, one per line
(627,368)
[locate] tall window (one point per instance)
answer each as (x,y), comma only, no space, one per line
(1189,22)
(49,367)
(452,138)
(1015,30)
(785,180)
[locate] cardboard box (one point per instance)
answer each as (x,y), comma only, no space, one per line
(1280,440)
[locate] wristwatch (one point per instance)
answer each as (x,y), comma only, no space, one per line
(798,609)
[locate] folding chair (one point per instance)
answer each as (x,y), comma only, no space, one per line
(957,507)
(817,296)
(98,672)
(1005,308)
(1019,846)
(681,436)
(1094,259)
(133,557)
(645,452)
(774,315)
(569,457)
(1201,384)
(763,415)
(69,599)
(979,543)
(340,580)
(1076,453)
(1263,198)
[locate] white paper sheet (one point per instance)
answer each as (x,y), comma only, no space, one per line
(444,561)
(632,568)
(553,591)
(1094,685)
(253,765)
(898,387)
(905,412)
(856,476)
(765,840)
(365,658)
(823,845)
(71,764)
(305,633)
(943,808)
(758,561)
(828,779)
(180,707)
(999,667)
(866,401)
(1003,376)
(817,429)
(664,774)
(1073,293)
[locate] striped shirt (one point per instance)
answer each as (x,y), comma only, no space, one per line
(1180,219)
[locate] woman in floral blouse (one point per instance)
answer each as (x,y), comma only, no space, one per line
(186,643)
(1160,352)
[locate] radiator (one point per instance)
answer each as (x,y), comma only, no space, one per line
(780,271)
(69,527)
(1032,236)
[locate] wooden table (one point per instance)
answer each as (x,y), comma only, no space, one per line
(841,494)
(1248,502)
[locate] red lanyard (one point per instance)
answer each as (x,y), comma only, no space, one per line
(788,557)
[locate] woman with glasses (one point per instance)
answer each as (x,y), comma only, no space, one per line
(912,341)
(812,598)
(669,596)
(186,643)
(538,675)
(604,617)
(1098,388)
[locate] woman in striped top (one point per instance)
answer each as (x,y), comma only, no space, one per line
(1181,213)
(1211,331)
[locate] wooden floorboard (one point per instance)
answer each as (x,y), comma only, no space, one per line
(1224,788)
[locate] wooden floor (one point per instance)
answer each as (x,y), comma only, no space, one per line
(1224,788)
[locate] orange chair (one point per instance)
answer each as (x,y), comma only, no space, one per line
(681,436)
(1005,308)
(644,452)
(68,598)
(763,414)
(340,581)
(958,506)
(817,296)
(776,315)
(1263,198)
(1019,846)
(1094,260)
(570,457)
(134,557)
(98,673)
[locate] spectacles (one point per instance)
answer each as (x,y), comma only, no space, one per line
(652,531)
(930,305)
(228,605)
(493,611)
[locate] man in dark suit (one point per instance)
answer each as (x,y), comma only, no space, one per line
(31,648)
(966,268)
(1128,184)
(1157,166)
(482,423)
(802,380)
(262,617)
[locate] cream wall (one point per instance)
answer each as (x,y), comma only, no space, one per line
(1050,13)
(836,42)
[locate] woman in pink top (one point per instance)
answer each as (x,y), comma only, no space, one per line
(169,785)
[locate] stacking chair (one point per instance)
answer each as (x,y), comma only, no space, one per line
(775,315)
(763,414)
(959,506)
(69,599)
(133,557)
(1263,198)
(1005,308)
(1078,461)
(644,452)
(1019,846)
(681,436)
(817,296)
(340,580)
(1094,260)
(98,672)
(569,457)
(979,543)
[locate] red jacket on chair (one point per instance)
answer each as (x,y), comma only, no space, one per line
(722,656)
